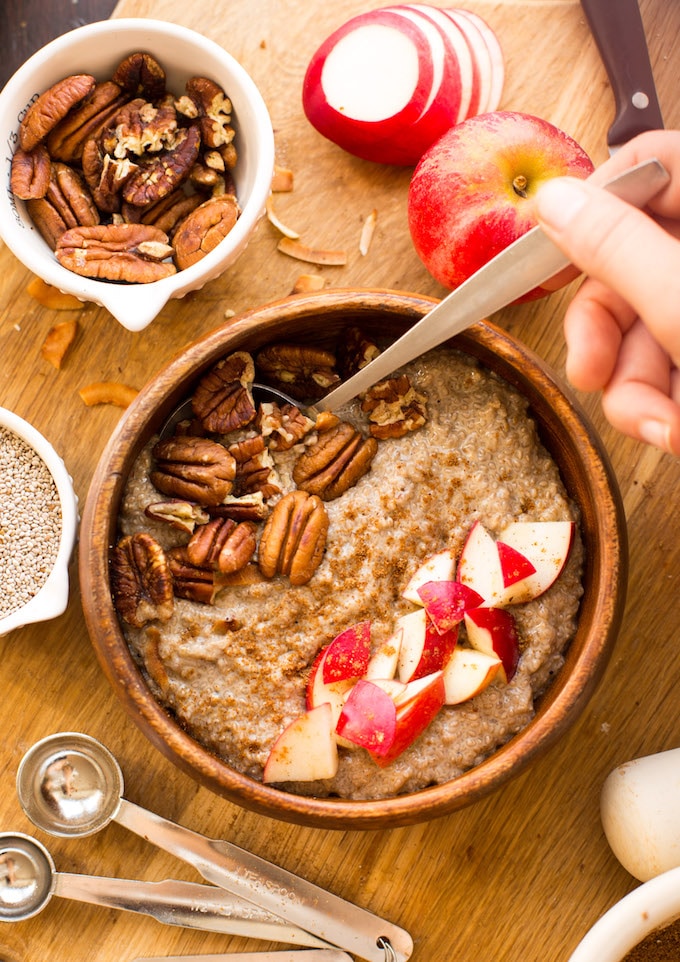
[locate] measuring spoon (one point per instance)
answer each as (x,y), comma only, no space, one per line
(29,879)
(69,784)
(304,955)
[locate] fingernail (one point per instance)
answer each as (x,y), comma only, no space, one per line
(559,200)
(656,433)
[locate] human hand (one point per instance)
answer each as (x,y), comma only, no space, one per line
(623,326)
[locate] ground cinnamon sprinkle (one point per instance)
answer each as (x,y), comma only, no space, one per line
(661,945)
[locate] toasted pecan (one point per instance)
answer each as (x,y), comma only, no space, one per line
(294,538)
(338,459)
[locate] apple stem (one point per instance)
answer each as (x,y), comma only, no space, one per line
(519,185)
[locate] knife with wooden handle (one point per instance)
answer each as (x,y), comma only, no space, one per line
(619,33)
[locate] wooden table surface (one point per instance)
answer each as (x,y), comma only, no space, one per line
(519,876)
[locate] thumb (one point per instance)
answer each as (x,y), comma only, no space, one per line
(621,247)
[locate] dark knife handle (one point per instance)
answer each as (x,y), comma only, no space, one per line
(619,34)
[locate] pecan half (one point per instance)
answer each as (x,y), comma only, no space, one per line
(197,469)
(207,102)
(105,176)
(202,230)
(51,107)
(166,213)
(140,74)
(67,204)
(245,507)
(140,126)
(30,172)
(254,467)
(394,407)
(190,581)
(116,252)
(282,425)
(223,398)
(355,351)
(222,545)
(159,174)
(335,462)
(184,515)
(301,371)
(141,581)
(85,122)
(294,538)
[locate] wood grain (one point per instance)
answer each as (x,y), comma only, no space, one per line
(524,872)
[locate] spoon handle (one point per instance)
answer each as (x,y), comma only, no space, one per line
(188,904)
(331,918)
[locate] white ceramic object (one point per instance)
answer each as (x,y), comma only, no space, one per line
(52,598)
(640,811)
(648,907)
(97,49)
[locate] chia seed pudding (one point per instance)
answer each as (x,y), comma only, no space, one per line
(234,673)
(30,529)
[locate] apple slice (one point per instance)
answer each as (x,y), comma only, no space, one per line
(469,672)
(423,649)
(438,567)
(479,565)
(493,631)
(368,717)
(305,750)
(546,544)
(446,602)
(515,566)
(497,59)
(348,654)
(416,707)
(333,693)
(384,661)
(368,81)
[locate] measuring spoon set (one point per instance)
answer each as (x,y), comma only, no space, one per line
(69,784)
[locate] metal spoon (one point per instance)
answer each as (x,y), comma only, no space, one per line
(69,784)
(184,410)
(303,955)
(29,879)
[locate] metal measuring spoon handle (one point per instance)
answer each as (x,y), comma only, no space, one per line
(289,896)
(320,955)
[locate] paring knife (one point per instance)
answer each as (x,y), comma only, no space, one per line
(619,33)
(527,263)
(304,955)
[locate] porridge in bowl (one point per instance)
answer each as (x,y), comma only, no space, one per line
(233,654)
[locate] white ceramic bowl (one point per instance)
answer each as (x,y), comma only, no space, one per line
(52,598)
(97,49)
(648,907)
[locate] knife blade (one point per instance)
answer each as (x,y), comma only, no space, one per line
(619,35)
(527,263)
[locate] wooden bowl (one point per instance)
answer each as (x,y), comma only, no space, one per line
(564,431)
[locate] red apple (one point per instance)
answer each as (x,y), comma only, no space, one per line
(546,545)
(515,566)
(346,657)
(416,707)
(472,192)
(468,673)
(423,649)
(437,567)
(446,602)
(305,750)
(368,717)
(493,631)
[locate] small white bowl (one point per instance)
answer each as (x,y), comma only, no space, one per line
(52,598)
(97,49)
(650,906)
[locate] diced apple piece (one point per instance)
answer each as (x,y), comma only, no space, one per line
(479,565)
(348,654)
(514,565)
(305,750)
(438,567)
(446,602)
(546,544)
(468,673)
(384,661)
(493,631)
(423,649)
(416,707)
(319,692)
(368,717)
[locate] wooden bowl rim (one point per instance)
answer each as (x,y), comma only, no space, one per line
(605,578)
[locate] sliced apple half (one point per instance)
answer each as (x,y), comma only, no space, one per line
(423,649)
(468,673)
(440,566)
(305,750)
(494,632)
(546,545)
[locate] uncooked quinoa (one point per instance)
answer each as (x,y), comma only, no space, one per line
(30,526)
(234,673)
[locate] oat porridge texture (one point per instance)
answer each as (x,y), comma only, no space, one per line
(234,673)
